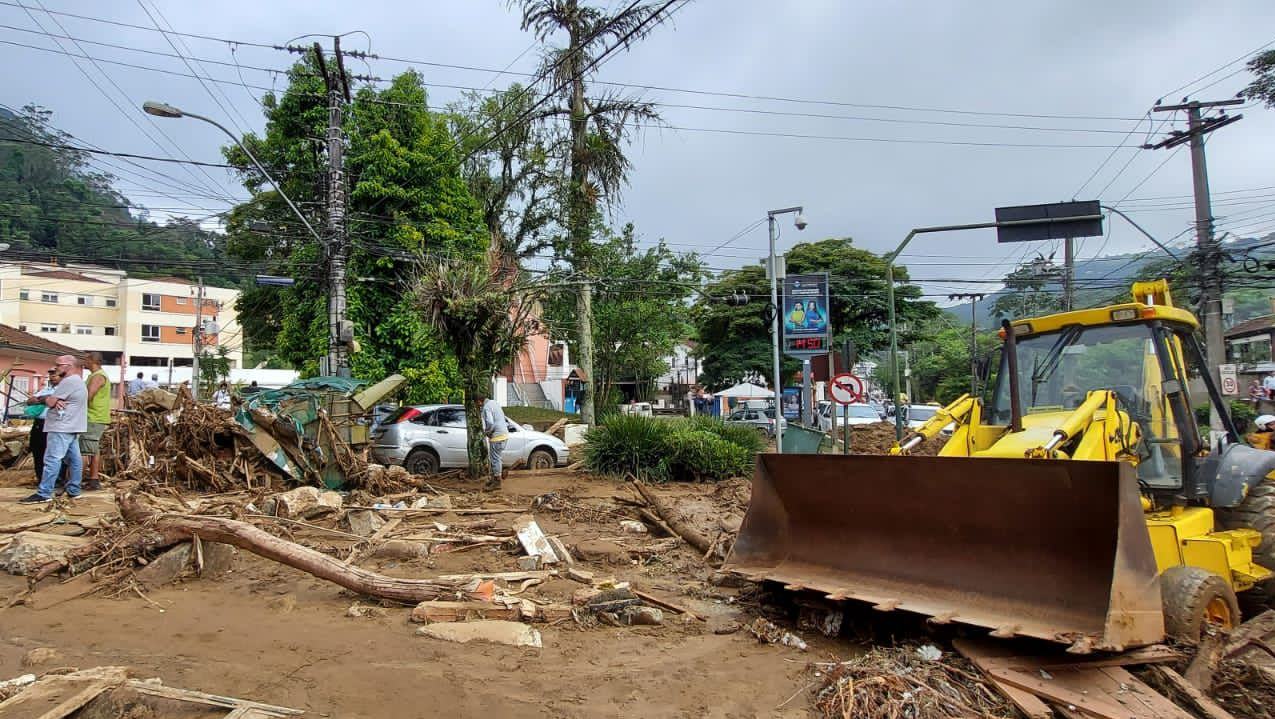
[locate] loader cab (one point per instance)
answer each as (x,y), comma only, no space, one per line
(1145,360)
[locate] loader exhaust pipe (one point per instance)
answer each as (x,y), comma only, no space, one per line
(1011,361)
(1053,549)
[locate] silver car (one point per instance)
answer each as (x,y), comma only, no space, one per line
(428,437)
(762,420)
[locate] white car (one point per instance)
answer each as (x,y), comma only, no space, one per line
(834,415)
(429,437)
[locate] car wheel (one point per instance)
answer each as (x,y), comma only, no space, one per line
(421,461)
(541,459)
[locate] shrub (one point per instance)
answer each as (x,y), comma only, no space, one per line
(700,448)
(1242,413)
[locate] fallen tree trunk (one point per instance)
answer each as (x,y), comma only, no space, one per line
(680,527)
(168,529)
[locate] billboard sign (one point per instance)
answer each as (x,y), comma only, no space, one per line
(805,313)
(1056,221)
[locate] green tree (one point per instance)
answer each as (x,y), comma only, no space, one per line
(1262,88)
(407,203)
(599,127)
(641,309)
(1031,289)
(941,363)
(735,340)
(485,313)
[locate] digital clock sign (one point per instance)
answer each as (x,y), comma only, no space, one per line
(805,314)
(804,344)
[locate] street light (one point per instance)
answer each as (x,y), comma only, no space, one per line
(162,109)
(800,223)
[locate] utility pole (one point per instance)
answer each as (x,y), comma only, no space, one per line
(198,341)
(974,298)
(338,245)
(1207,248)
(1069,275)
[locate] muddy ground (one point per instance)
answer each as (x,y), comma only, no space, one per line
(273,634)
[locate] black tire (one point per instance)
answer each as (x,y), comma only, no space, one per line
(1193,597)
(421,461)
(542,459)
(1256,512)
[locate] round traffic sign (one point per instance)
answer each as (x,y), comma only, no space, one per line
(845,388)
(1230,385)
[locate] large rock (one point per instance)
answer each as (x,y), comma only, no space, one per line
(30,550)
(495,631)
(180,560)
(363,522)
(294,503)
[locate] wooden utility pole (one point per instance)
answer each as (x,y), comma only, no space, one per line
(974,298)
(1207,249)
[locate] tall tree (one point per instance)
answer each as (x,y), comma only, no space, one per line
(1262,88)
(1031,289)
(485,313)
(641,309)
(599,128)
(735,340)
(407,203)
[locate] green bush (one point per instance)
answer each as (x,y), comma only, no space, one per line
(696,449)
(1242,413)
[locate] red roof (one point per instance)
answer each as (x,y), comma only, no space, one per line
(65,275)
(1257,325)
(15,339)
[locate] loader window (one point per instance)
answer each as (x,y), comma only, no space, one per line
(1057,370)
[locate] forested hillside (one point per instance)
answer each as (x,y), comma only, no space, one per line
(55,203)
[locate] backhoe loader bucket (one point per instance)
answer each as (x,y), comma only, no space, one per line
(1054,549)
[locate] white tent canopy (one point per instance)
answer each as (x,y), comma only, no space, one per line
(745,390)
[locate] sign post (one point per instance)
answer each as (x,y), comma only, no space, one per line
(807,326)
(845,389)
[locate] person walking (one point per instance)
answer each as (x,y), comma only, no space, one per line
(496,429)
(99,418)
(66,420)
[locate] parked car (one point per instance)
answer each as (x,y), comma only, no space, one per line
(428,437)
(763,420)
(833,415)
(917,414)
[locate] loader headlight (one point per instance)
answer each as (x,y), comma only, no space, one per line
(1124,315)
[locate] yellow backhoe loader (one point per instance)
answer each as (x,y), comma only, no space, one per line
(1077,502)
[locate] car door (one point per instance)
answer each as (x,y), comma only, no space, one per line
(448,425)
(515,446)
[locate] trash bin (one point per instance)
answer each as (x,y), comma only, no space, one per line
(801,440)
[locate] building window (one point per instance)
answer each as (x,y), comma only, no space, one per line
(48,329)
(24,294)
(49,297)
(108,331)
(150,333)
(180,300)
(150,302)
(181,330)
(82,300)
(22,327)
(110,301)
(83,330)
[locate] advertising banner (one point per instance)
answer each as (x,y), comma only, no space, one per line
(804,312)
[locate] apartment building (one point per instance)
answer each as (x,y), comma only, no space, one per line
(137,322)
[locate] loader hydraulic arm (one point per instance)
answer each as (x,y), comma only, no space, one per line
(958,412)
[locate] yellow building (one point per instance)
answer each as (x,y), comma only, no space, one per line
(141,323)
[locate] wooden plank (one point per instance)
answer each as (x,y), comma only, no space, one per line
(665,604)
(77,700)
(1029,704)
(1125,688)
(1054,690)
(189,695)
(54,594)
(1209,708)
(28,523)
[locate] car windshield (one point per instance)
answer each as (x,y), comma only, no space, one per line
(863,411)
(920,414)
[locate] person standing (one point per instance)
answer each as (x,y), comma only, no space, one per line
(153,383)
(496,428)
(37,410)
(99,418)
(1255,393)
(137,384)
(1268,384)
(66,420)
(221,397)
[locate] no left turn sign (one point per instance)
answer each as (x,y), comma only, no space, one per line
(845,388)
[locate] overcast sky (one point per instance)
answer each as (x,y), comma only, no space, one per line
(1086,69)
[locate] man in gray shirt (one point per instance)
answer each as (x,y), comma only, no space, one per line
(496,427)
(66,419)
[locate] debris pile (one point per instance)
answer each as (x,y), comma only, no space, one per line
(13,446)
(906,681)
(878,438)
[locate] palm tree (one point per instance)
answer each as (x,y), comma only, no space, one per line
(600,127)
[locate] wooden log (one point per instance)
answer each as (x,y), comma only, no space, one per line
(665,604)
(674,522)
(1207,707)
(1208,656)
(171,528)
